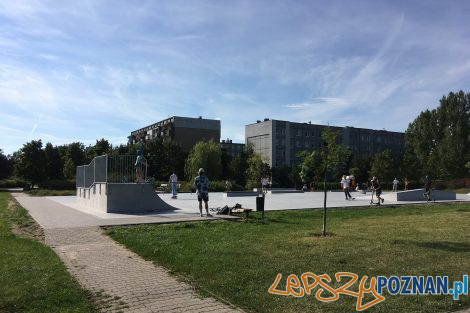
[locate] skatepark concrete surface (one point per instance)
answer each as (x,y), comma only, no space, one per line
(65,211)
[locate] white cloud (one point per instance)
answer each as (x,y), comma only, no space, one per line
(101,69)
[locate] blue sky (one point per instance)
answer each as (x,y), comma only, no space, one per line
(85,70)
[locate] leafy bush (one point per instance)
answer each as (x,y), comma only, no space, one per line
(452,184)
(57,184)
(13,183)
(215,186)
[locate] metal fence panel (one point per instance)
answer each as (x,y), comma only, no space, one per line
(90,174)
(100,169)
(111,169)
(80,176)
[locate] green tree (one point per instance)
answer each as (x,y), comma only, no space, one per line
(54,164)
(360,167)
(69,170)
(102,147)
(383,166)
(238,167)
(76,152)
(333,156)
(453,116)
(256,170)
(310,166)
(164,158)
(6,165)
(226,159)
(437,141)
(29,162)
(205,154)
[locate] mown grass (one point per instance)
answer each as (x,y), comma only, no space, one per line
(238,262)
(32,277)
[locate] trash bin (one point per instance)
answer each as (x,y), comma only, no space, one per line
(260,203)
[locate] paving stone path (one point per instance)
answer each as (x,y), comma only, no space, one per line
(121,279)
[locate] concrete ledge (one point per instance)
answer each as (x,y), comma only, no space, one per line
(417,195)
(239,194)
(275,191)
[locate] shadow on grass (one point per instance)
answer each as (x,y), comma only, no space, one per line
(437,245)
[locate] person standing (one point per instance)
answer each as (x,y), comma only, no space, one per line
(140,165)
(201,183)
(395,184)
(174,185)
(406,184)
(345,185)
(264,185)
(378,189)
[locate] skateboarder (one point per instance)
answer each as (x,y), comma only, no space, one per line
(378,190)
(427,188)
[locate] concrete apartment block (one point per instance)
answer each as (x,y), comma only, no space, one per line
(278,142)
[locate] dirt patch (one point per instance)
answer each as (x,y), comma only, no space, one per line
(22,224)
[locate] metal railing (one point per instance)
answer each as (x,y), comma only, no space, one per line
(111,169)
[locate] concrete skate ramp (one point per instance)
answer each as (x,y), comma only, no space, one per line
(134,198)
(123,198)
(417,195)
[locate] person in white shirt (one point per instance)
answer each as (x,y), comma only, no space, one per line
(264,184)
(395,184)
(345,186)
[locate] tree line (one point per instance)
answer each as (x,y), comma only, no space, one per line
(437,143)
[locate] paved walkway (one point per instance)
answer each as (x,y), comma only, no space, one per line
(121,280)
(125,281)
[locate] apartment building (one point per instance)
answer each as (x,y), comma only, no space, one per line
(278,142)
(186,131)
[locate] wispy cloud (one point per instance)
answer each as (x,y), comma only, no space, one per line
(93,69)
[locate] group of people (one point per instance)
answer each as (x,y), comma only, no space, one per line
(396,182)
(201,184)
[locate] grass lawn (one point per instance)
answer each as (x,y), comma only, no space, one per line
(239,261)
(32,277)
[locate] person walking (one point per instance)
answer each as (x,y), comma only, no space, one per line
(395,184)
(201,183)
(378,189)
(345,185)
(427,188)
(174,185)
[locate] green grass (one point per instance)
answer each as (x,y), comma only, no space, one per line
(32,277)
(239,261)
